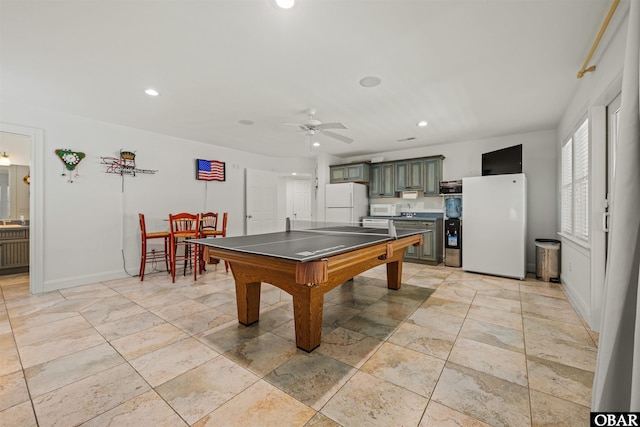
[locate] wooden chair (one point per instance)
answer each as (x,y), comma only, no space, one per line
(215,232)
(152,255)
(184,226)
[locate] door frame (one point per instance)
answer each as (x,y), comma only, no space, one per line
(598,194)
(36,202)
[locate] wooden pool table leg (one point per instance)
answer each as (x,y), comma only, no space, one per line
(248,300)
(394,274)
(307,314)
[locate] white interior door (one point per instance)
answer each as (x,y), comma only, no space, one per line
(302,199)
(613,120)
(261,200)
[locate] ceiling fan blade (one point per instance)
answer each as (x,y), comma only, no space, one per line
(337,136)
(331,126)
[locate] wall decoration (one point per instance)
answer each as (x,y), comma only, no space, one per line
(210,170)
(71,159)
(125,164)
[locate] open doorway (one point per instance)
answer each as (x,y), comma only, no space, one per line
(30,157)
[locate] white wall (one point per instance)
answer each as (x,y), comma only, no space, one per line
(463,159)
(90,225)
(583,263)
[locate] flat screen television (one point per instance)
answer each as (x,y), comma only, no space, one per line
(505,161)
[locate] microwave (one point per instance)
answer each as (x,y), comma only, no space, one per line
(385,209)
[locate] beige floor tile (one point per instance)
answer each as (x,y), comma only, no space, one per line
(203,320)
(447,306)
(200,391)
(499,362)
(168,362)
(565,382)
(503,304)
(438,415)
(19,415)
(484,397)
(425,340)
(489,333)
(83,400)
(13,390)
(262,354)
(9,359)
(311,378)
(497,317)
(561,351)
(44,351)
(128,325)
(320,420)
(148,340)
(415,371)
(350,347)
(67,369)
(555,329)
(147,409)
(178,309)
(53,330)
(549,411)
(369,401)
(259,405)
(369,348)
(435,319)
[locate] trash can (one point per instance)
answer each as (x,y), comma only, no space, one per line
(548,260)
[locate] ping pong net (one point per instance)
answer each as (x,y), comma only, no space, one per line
(341,228)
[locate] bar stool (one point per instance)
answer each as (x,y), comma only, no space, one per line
(184,226)
(208,231)
(153,255)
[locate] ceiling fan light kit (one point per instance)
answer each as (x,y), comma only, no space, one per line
(312,125)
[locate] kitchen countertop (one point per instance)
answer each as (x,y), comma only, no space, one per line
(415,216)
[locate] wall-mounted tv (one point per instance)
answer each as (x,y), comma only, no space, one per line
(505,161)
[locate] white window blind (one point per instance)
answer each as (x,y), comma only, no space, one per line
(567,187)
(575,183)
(581,181)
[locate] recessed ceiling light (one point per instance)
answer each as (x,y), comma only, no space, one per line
(246,122)
(316,144)
(370,81)
(285,4)
(422,123)
(293,173)
(151,92)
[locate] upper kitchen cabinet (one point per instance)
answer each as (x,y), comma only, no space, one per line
(381,183)
(353,172)
(433,175)
(409,175)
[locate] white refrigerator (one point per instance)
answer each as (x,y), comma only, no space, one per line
(494,213)
(346,202)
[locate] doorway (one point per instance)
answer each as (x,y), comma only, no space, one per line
(35,138)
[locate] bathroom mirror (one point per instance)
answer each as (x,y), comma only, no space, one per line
(14,192)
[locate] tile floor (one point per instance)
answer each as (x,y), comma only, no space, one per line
(448,349)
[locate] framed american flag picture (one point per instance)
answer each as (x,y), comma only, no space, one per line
(210,170)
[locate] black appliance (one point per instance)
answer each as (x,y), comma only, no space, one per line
(453,242)
(505,161)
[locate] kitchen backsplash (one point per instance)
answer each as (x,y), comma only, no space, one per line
(424,204)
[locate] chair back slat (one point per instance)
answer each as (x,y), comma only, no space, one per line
(208,221)
(184,225)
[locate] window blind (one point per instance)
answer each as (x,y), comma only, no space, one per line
(567,187)
(581,181)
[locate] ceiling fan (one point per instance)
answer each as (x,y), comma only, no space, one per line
(312,125)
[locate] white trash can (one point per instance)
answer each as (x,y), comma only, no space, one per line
(548,260)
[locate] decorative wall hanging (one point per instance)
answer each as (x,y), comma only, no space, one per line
(71,159)
(210,170)
(124,165)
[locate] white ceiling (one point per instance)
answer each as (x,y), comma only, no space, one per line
(472,69)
